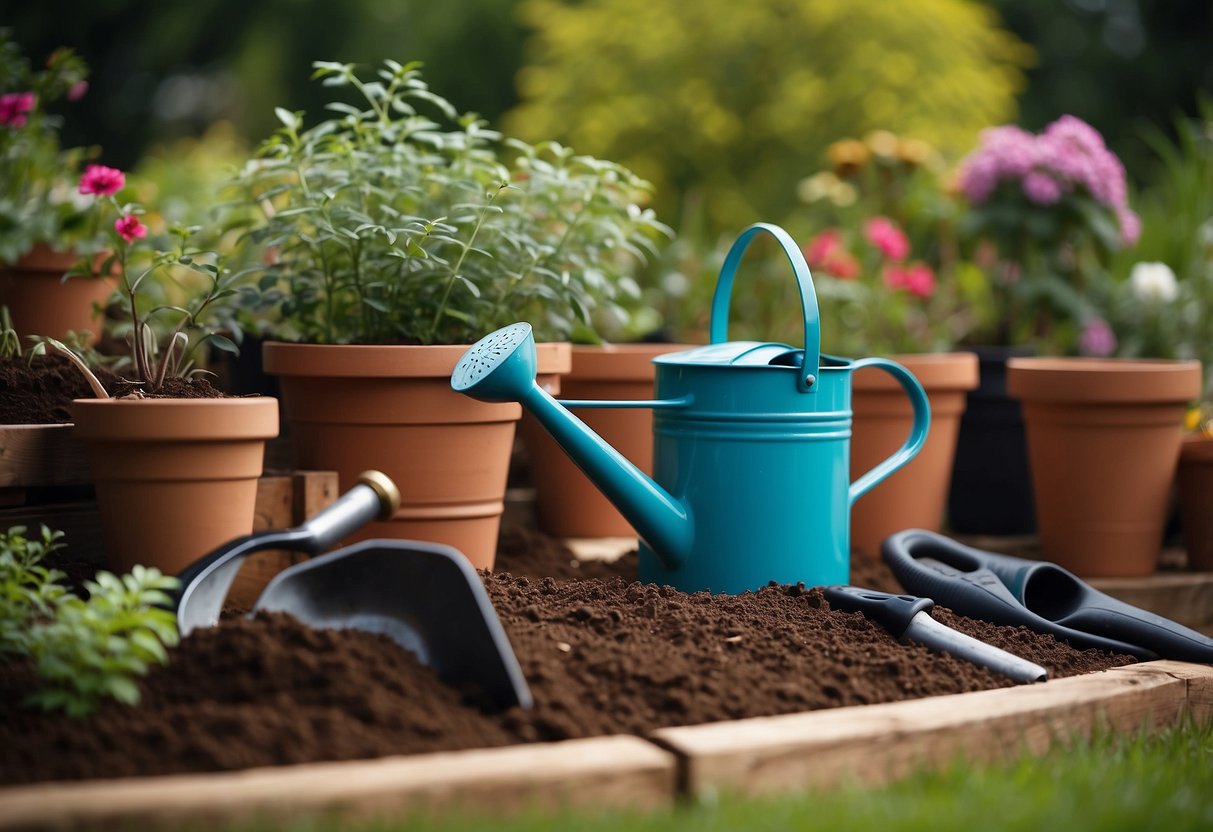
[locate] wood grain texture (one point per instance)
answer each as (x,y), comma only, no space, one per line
(605,771)
(880,743)
(39,456)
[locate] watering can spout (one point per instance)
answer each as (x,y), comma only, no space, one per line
(501,367)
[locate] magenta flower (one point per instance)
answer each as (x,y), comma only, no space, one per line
(886,236)
(102,181)
(1041,188)
(77,91)
(1097,339)
(821,247)
(15,107)
(129,228)
(917,279)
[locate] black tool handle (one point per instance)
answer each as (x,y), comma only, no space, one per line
(962,578)
(893,612)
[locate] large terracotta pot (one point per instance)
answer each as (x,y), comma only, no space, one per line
(567,502)
(41,302)
(1195,480)
(175,478)
(914,496)
(391,408)
(1103,442)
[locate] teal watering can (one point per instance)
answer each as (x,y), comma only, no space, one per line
(751,446)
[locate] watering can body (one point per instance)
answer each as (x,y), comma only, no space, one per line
(751,465)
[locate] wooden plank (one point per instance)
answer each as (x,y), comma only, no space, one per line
(879,743)
(1199,678)
(1184,597)
(605,771)
(41,455)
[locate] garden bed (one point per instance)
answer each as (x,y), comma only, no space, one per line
(774,670)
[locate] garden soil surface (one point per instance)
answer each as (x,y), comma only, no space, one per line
(602,654)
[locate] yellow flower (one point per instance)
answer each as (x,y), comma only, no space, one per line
(848,156)
(882,143)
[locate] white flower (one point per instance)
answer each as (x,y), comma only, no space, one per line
(1154,282)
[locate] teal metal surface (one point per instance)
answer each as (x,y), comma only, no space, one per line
(751,447)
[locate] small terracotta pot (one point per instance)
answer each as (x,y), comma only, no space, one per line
(353,407)
(1195,480)
(914,496)
(175,478)
(567,502)
(1103,442)
(41,302)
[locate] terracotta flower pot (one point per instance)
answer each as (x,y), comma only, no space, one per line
(352,407)
(175,478)
(914,496)
(41,302)
(1195,480)
(1103,442)
(567,502)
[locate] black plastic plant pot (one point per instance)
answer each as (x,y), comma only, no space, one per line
(991,490)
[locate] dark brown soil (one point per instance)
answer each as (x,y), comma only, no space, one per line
(602,655)
(41,392)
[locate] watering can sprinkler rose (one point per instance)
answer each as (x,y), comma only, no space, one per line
(751,446)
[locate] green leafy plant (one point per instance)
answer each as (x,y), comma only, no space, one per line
(84,650)
(383,224)
(38,203)
(29,590)
(95,648)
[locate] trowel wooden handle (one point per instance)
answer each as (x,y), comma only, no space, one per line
(374,496)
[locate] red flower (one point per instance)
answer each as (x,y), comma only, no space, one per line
(14,107)
(129,227)
(917,279)
(102,181)
(822,246)
(886,236)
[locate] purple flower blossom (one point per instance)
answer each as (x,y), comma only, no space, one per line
(1041,188)
(1097,339)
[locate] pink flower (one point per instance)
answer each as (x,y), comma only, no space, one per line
(917,279)
(1130,225)
(841,264)
(77,90)
(886,236)
(1097,339)
(1041,188)
(822,246)
(102,181)
(129,227)
(15,106)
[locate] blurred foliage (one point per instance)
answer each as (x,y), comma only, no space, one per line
(735,99)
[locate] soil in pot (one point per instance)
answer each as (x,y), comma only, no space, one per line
(39,393)
(603,655)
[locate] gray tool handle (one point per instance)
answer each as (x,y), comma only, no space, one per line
(374,496)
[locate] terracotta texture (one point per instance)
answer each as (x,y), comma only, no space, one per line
(352,407)
(175,478)
(1103,441)
(913,497)
(42,303)
(1195,480)
(567,502)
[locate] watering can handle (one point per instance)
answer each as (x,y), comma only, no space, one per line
(719,327)
(918,430)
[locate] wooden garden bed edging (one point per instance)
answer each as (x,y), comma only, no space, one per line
(876,744)
(619,771)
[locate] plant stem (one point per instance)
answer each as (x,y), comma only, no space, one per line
(458,265)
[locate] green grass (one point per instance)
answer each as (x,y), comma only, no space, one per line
(1136,783)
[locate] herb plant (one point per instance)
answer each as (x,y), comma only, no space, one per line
(84,650)
(384,224)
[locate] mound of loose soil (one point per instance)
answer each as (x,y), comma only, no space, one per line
(602,655)
(39,392)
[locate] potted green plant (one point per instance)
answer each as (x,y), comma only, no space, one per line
(886,269)
(44,222)
(1042,215)
(175,463)
(396,232)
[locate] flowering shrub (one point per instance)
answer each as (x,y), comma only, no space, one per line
(1046,213)
(37,199)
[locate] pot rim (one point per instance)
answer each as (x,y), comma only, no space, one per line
(286,358)
(619,362)
(247,417)
(1110,380)
(937,371)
